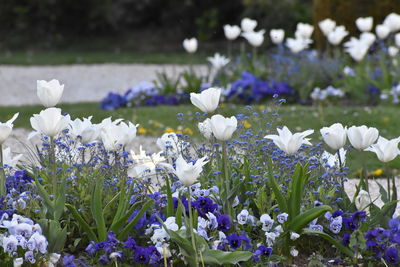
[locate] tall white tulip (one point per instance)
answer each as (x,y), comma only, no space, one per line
(288,142)
(218,61)
(254,38)
(362,200)
(368,38)
(188,173)
(223,128)
(115,135)
(382,31)
(50,122)
(357,48)
(386,150)
(190,45)
(207,100)
(231,32)
(334,135)
(9,159)
(327,26)
(365,24)
(392,21)
(336,36)
(85,129)
(6,128)
(304,30)
(205,128)
(361,137)
(49,93)
(297,45)
(248,25)
(277,35)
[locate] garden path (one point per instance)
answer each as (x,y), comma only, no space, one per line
(83,83)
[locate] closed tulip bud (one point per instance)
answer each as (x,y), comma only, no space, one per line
(361,137)
(50,122)
(337,35)
(190,45)
(207,100)
(397,39)
(297,45)
(248,25)
(334,136)
(205,128)
(231,32)
(392,21)
(254,38)
(6,128)
(362,200)
(188,173)
(304,30)
(84,129)
(327,26)
(114,136)
(223,128)
(50,92)
(365,24)
(382,31)
(386,150)
(393,51)
(288,142)
(277,35)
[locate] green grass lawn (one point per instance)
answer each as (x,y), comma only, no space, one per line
(155,120)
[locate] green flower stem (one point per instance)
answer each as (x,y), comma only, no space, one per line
(387,172)
(191,226)
(226,180)
(2,174)
(53,166)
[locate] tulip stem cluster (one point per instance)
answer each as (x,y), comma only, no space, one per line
(191,224)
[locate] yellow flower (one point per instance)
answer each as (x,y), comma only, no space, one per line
(377,172)
(142,130)
(169,130)
(385,120)
(246,124)
(187,131)
(261,107)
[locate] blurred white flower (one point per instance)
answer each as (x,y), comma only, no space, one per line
(49,93)
(304,31)
(207,100)
(386,150)
(348,71)
(190,45)
(231,32)
(277,35)
(218,61)
(334,136)
(145,165)
(327,26)
(288,142)
(392,21)
(188,173)
(365,24)
(332,160)
(318,95)
(297,45)
(368,37)
(50,122)
(9,159)
(397,39)
(6,128)
(223,128)
(336,36)
(357,48)
(362,200)
(205,128)
(393,51)
(254,38)
(114,136)
(248,25)
(361,137)
(382,31)
(85,129)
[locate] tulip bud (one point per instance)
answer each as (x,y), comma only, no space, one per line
(223,128)
(362,137)
(190,45)
(231,32)
(248,25)
(254,38)
(205,128)
(50,92)
(365,24)
(207,100)
(362,200)
(277,35)
(327,26)
(6,128)
(382,31)
(334,136)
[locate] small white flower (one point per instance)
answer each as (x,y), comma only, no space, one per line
(294,236)
(294,252)
(231,32)
(190,45)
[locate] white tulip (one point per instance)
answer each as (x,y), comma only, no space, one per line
(188,173)
(334,135)
(304,30)
(332,160)
(207,100)
(392,21)
(397,39)
(357,48)
(115,135)
(365,24)
(368,38)
(223,128)
(362,200)
(327,26)
(50,122)
(254,38)
(218,61)
(85,129)
(361,137)
(6,128)
(205,128)
(49,93)
(336,36)
(386,150)
(288,142)
(9,159)
(248,25)
(146,165)
(297,45)
(382,31)
(190,45)
(393,51)
(231,32)
(277,35)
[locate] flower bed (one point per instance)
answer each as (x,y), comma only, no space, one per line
(242,196)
